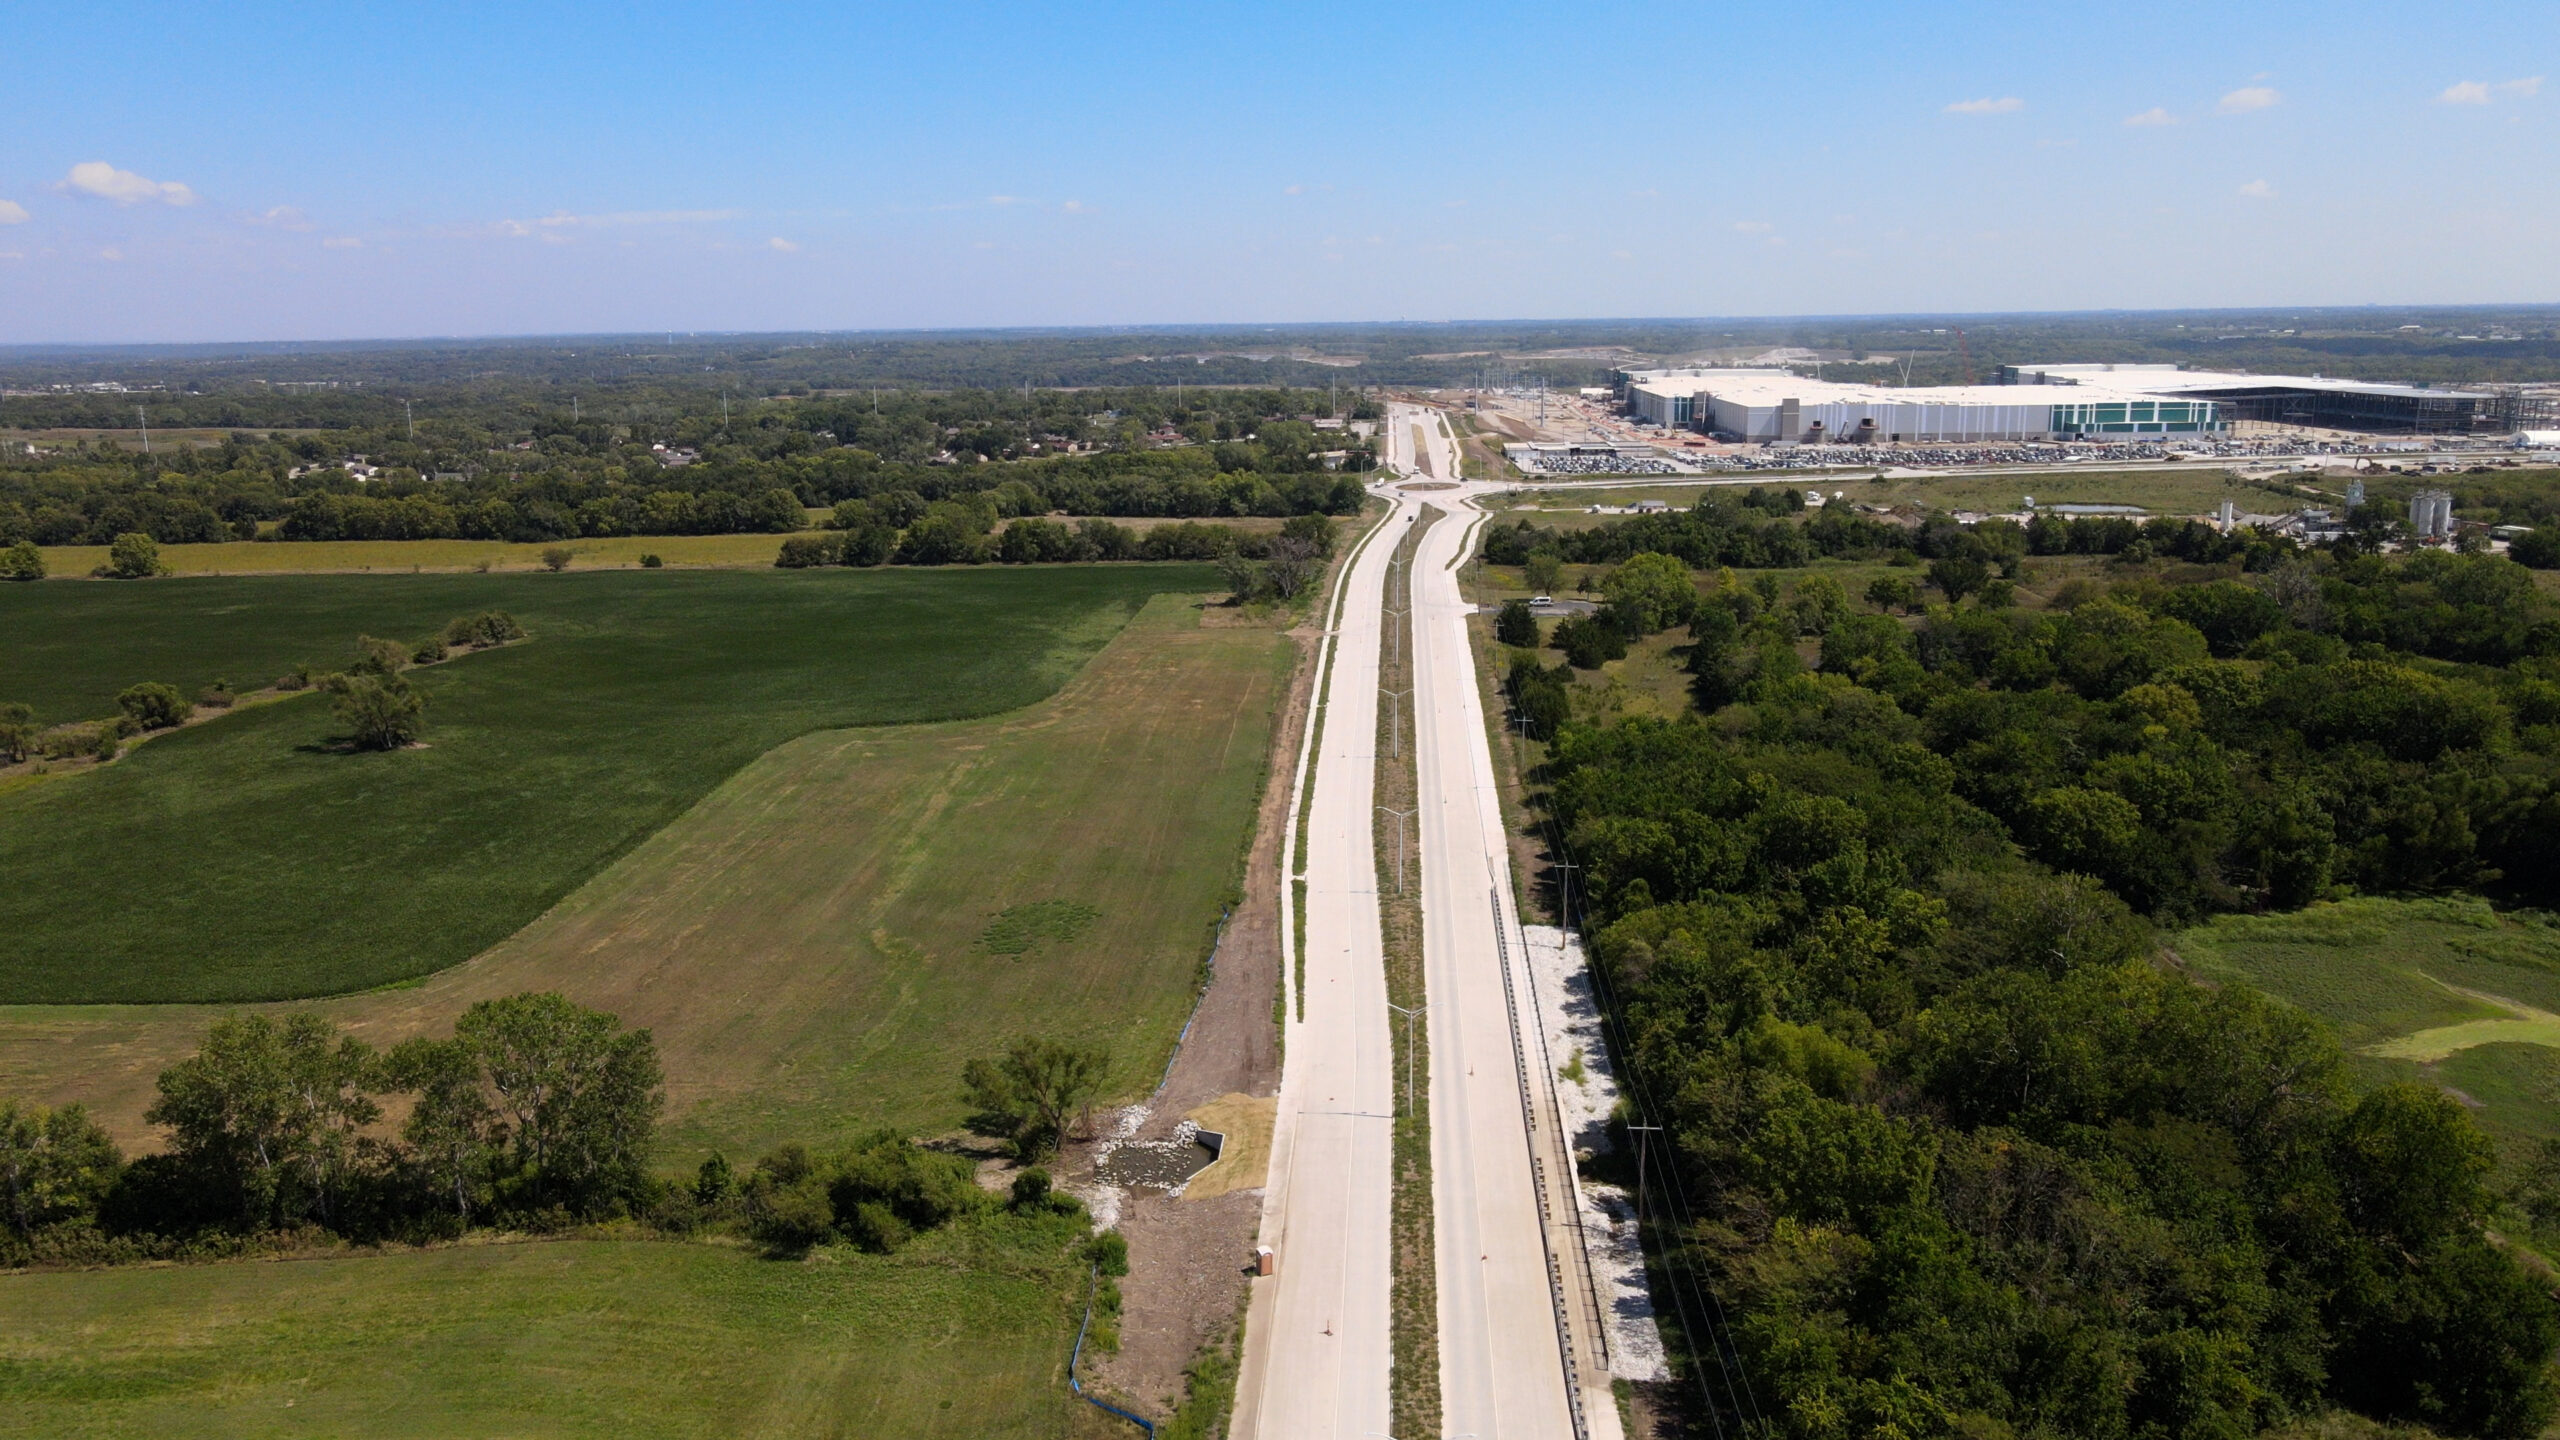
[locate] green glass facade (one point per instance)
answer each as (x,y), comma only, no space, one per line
(2137,417)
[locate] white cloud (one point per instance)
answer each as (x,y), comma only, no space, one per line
(2248,98)
(1076,207)
(110,253)
(785,246)
(1753,227)
(1294,190)
(12,213)
(1006,200)
(2153,116)
(282,217)
(550,225)
(2258,190)
(2480,92)
(342,242)
(2005,105)
(106,182)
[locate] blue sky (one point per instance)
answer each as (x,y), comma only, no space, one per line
(252,171)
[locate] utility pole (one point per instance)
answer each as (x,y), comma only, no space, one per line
(1408,1051)
(1395,723)
(574,417)
(1639,1131)
(410,409)
(146,428)
(1401,817)
(1564,891)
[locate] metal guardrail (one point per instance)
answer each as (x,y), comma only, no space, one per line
(1538,1174)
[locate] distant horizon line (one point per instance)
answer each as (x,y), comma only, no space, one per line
(678,336)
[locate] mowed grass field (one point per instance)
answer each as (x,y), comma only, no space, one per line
(2447,991)
(810,943)
(248,859)
(962,1334)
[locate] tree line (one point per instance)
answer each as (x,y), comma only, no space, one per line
(963,532)
(534,1113)
(759,473)
(1969,1156)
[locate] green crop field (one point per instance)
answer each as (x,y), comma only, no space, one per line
(2447,991)
(822,942)
(246,859)
(962,1334)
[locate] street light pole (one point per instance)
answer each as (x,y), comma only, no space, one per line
(1395,723)
(1408,1051)
(1401,817)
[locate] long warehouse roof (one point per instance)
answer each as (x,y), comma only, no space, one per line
(1757,390)
(2167,380)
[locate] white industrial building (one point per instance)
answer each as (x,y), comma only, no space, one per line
(1669,398)
(2292,399)
(1775,406)
(2046,402)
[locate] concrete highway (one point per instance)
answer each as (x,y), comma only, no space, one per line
(1519,1336)
(1518,1331)
(1317,1349)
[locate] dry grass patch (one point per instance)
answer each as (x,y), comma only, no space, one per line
(1244,1160)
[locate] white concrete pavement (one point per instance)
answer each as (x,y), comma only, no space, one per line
(1520,1348)
(1317,1347)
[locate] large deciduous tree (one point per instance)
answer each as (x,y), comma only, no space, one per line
(270,1115)
(55,1165)
(577,1092)
(1030,1091)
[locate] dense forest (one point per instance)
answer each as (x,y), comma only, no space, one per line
(1146,453)
(1959,1147)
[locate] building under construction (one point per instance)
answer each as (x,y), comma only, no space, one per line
(1777,407)
(2062,402)
(2311,400)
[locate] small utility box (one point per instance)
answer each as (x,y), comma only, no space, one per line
(1262,1263)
